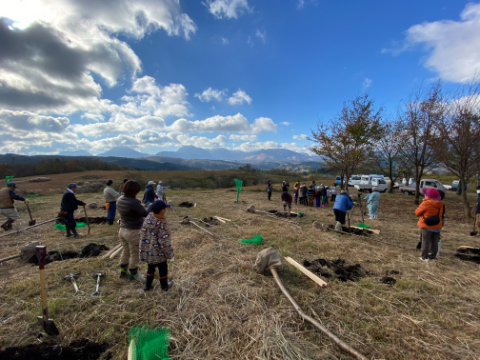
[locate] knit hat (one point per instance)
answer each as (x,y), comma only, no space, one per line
(109,182)
(432,194)
(72,186)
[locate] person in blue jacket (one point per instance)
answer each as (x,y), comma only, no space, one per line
(342,204)
(68,206)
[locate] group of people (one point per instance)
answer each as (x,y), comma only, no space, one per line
(144,234)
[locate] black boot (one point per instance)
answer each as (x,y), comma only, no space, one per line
(69,233)
(165,283)
(134,275)
(75,234)
(124,271)
(7,225)
(148,284)
(110,221)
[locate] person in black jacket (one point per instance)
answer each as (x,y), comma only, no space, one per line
(68,206)
(149,197)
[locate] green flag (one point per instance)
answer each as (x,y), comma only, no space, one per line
(8,179)
(238,184)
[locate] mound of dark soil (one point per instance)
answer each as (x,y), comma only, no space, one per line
(210,220)
(77,350)
(93,220)
(92,250)
(388,280)
(465,257)
(468,250)
(336,269)
(186,204)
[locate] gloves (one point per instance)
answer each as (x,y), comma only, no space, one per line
(172,259)
(25,201)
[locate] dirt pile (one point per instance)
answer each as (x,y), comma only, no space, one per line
(186,204)
(92,250)
(77,350)
(466,257)
(336,269)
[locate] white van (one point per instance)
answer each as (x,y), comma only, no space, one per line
(367,179)
(354,180)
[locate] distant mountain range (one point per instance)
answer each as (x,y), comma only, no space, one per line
(125,152)
(75,153)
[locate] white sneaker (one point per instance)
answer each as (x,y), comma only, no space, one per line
(420,258)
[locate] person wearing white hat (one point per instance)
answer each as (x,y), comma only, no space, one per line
(160,191)
(149,196)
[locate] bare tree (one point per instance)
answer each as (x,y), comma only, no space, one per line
(347,141)
(418,121)
(386,155)
(460,138)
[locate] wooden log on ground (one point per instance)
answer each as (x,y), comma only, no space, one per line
(372,230)
(220,219)
(307,272)
(116,252)
(10,258)
(111,251)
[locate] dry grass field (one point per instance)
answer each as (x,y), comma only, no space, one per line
(220,308)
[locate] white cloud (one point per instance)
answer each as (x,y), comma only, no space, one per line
(285,123)
(24,121)
(51,48)
(239,98)
(366,83)
(300,4)
(243,137)
(261,35)
(253,146)
(453,46)
(227,124)
(299,137)
(224,41)
(230,9)
(211,94)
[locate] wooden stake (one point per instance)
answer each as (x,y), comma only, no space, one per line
(208,232)
(10,258)
(307,272)
(312,321)
(116,252)
(219,219)
(111,251)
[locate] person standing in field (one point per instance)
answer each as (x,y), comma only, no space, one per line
(287,201)
(303,191)
(269,190)
(430,213)
(121,187)
(318,196)
(111,197)
(334,193)
(343,203)
(160,191)
(149,196)
(131,214)
(372,203)
(155,245)
(324,196)
(67,207)
(297,187)
(7,199)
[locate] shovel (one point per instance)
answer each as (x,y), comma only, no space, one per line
(86,218)
(47,324)
(474,233)
(31,222)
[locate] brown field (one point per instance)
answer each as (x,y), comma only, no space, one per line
(220,308)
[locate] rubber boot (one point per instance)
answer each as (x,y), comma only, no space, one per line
(69,233)
(7,225)
(338,226)
(75,234)
(110,221)
(124,271)
(165,283)
(134,275)
(148,284)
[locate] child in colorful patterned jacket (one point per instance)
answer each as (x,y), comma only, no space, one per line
(155,245)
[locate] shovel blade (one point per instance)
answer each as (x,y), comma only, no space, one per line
(48,325)
(33,222)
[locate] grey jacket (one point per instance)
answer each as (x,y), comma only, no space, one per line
(131,212)
(110,194)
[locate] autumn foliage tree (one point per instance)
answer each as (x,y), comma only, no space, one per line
(346,142)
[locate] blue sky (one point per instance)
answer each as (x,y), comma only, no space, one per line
(241,74)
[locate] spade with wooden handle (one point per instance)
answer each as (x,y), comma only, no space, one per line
(47,324)
(31,222)
(86,218)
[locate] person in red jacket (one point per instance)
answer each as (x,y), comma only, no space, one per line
(287,201)
(430,213)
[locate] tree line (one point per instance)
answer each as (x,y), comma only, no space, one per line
(432,129)
(56,166)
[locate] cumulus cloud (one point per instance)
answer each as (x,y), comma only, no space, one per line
(366,83)
(211,94)
(261,35)
(227,124)
(243,137)
(299,137)
(239,98)
(51,48)
(224,41)
(452,46)
(230,9)
(253,146)
(24,121)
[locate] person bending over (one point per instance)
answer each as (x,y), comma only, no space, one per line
(68,206)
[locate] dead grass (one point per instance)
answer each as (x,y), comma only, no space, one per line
(219,308)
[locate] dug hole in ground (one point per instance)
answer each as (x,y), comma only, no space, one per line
(220,308)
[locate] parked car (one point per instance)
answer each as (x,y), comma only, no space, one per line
(354,180)
(455,184)
(338,180)
(380,184)
(424,184)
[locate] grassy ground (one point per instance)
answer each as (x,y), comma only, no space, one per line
(219,308)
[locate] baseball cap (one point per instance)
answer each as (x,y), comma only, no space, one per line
(432,194)
(12,184)
(72,185)
(151,183)
(159,205)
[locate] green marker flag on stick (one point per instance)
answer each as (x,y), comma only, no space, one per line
(8,179)
(238,184)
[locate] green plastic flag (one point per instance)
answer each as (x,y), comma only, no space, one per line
(63,228)
(238,184)
(8,179)
(148,344)
(257,239)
